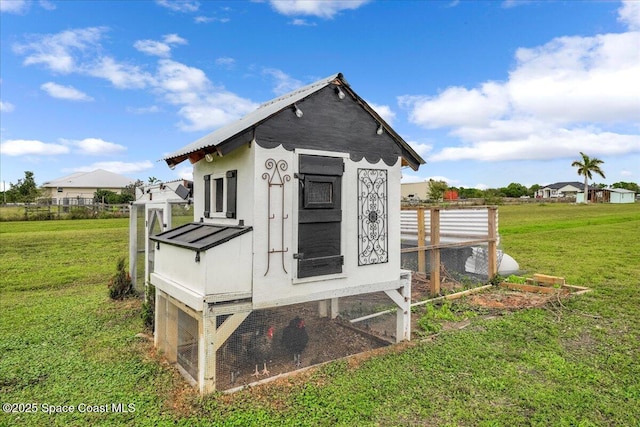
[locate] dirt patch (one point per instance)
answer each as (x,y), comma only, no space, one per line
(509,300)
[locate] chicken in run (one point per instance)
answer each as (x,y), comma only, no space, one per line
(260,349)
(295,339)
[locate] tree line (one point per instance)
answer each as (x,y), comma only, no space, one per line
(437,190)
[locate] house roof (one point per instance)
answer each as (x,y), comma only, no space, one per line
(559,185)
(199,236)
(98,178)
(215,141)
(620,190)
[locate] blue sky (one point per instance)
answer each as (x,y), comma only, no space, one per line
(487,92)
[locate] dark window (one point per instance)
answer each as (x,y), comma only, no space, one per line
(219,189)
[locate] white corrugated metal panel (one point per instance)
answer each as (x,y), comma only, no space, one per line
(456,225)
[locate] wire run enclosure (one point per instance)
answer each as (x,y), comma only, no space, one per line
(229,346)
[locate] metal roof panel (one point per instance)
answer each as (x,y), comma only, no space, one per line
(199,236)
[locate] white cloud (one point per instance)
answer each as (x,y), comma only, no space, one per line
(225,62)
(457,106)
(185,172)
(57,51)
(321,8)
(122,76)
(47,5)
(22,147)
(421,148)
(574,79)
(548,145)
(156,48)
(6,107)
(214,110)
(174,39)
(569,95)
(64,92)
(207,19)
(626,173)
(629,14)
(201,104)
(384,111)
(116,167)
(284,83)
(144,110)
(302,23)
(95,147)
(408,178)
(184,6)
(14,6)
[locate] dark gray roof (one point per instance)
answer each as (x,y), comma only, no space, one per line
(198,236)
(559,185)
(214,142)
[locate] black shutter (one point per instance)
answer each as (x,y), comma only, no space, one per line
(232,193)
(207,195)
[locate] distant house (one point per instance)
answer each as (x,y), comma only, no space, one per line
(560,189)
(79,188)
(607,195)
(415,190)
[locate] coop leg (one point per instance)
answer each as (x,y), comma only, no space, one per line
(402,298)
(207,354)
(323,308)
(335,310)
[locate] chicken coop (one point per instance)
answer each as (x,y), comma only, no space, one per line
(296,210)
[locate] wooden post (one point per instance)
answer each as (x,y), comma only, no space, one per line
(434,279)
(492,268)
(422,264)
(207,354)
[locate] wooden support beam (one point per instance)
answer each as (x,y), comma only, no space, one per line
(434,279)
(422,262)
(492,268)
(230,324)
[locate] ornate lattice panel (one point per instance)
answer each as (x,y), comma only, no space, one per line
(372,217)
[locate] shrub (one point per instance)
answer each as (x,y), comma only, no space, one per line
(148,307)
(120,285)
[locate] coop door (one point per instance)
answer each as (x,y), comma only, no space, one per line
(319,215)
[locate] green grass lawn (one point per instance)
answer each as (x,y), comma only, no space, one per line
(63,342)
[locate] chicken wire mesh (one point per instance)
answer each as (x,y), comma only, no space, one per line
(276,341)
(460,267)
(187,351)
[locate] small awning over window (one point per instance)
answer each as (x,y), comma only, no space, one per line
(200,237)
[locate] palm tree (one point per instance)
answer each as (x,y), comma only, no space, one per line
(585,168)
